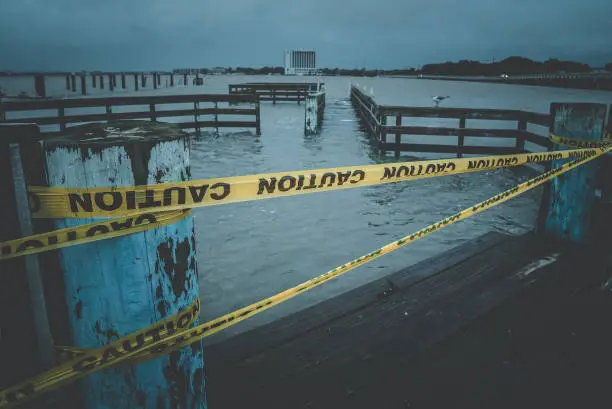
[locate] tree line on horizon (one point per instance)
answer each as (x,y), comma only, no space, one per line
(514,65)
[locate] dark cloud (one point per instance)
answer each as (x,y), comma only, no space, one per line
(136,34)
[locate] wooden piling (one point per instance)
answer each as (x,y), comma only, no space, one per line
(155,82)
(93,80)
(68,82)
(111,84)
(123,80)
(568,201)
(158,75)
(185,79)
(101,81)
(83,84)
(172,80)
(73,82)
(111,288)
(25,341)
(143,80)
(39,86)
(135,82)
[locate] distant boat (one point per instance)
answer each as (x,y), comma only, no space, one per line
(437,99)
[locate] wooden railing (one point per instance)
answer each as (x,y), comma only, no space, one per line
(375,118)
(275,91)
(63,112)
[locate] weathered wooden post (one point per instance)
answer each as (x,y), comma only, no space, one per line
(68,82)
(39,85)
(312,118)
(158,78)
(155,83)
(22,299)
(114,287)
(172,80)
(185,79)
(567,202)
(83,84)
(73,82)
(111,85)
(93,80)
(123,80)
(143,80)
(101,81)
(135,82)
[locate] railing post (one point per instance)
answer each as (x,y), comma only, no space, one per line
(520,140)
(152,110)
(398,136)
(60,116)
(216,116)
(461,137)
(568,201)
(112,288)
(257,116)
(196,109)
(382,130)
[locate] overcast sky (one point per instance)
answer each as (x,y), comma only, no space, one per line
(164,34)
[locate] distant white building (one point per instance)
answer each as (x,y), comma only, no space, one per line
(299,62)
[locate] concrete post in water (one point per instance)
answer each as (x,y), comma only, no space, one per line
(567,202)
(114,287)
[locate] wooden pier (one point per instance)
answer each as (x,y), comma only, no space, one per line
(383,121)
(185,110)
(276,91)
(459,330)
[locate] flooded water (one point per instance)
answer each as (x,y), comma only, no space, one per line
(248,251)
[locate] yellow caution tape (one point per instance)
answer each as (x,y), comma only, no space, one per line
(142,221)
(580,143)
(52,202)
(160,340)
(88,233)
(96,359)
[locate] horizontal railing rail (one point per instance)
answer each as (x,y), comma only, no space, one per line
(12,111)
(375,118)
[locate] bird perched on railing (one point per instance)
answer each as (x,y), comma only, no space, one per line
(437,99)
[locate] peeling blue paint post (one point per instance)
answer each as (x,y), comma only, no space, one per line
(115,287)
(314,108)
(568,201)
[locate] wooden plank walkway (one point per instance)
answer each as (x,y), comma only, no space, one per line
(356,350)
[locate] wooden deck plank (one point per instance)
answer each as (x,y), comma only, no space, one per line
(285,365)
